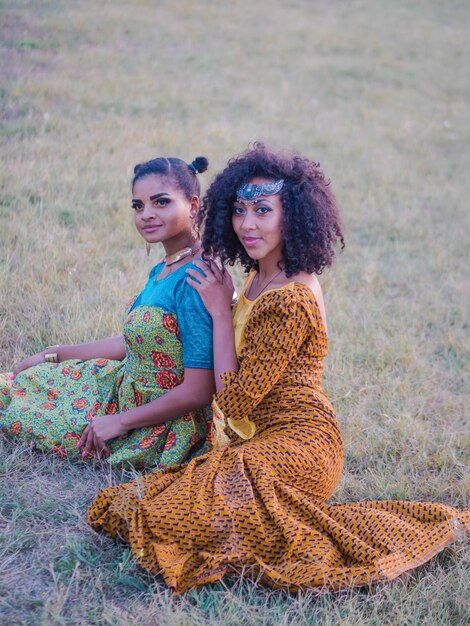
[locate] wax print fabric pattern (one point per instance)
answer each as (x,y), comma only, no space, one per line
(166,329)
(257,505)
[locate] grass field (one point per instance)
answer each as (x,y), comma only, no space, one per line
(377,92)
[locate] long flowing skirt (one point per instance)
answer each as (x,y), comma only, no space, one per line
(260,506)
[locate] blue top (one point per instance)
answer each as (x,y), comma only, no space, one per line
(175,295)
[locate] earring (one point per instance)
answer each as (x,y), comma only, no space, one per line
(194,230)
(194,226)
(147,248)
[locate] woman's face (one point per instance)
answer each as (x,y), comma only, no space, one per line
(162,213)
(259,225)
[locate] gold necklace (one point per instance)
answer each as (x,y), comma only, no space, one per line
(264,286)
(177,256)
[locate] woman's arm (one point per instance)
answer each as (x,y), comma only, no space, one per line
(109,348)
(273,335)
(194,392)
(216,292)
(225,356)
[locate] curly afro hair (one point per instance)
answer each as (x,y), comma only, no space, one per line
(310,222)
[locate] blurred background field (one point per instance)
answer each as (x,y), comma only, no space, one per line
(378,92)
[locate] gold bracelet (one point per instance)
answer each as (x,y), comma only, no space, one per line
(51,357)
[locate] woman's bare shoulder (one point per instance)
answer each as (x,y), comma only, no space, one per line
(312,282)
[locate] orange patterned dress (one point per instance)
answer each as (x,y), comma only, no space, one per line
(256,504)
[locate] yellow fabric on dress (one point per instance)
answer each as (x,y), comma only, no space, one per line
(241,313)
(258,505)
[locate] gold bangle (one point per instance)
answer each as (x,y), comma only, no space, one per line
(51,357)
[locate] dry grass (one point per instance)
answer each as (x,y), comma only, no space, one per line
(377,92)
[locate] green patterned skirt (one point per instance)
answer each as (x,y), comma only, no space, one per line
(48,406)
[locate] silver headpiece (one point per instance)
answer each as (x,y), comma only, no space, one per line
(249,193)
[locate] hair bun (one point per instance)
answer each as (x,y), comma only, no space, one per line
(199,165)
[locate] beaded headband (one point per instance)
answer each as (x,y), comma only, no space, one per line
(249,193)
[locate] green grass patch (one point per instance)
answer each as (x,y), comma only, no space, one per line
(377,92)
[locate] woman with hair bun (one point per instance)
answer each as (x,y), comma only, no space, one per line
(257,503)
(139,398)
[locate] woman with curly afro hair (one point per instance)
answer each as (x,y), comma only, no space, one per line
(257,503)
(310,218)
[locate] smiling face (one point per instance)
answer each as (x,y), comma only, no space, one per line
(259,225)
(162,212)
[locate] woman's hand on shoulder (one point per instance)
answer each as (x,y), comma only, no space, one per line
(214,285)
(31,361)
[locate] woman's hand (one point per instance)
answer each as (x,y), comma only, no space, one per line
(31,361)
(215,287)
(98,431)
